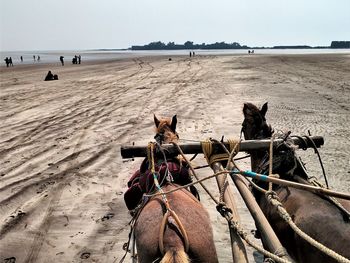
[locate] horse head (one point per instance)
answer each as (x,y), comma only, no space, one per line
(166,130)
(254,125)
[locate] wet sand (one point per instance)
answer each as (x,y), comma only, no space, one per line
(62,178)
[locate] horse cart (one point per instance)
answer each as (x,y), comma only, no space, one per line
(271,190)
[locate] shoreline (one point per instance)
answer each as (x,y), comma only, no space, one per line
(88,56)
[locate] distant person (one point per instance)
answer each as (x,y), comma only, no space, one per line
(7,61)
(190,54)
(193,54)
(79,59)
(62,61)
(38,58)
(74,60)
(34,57)
(248,51)
(10,62)
(253,51)
(21,59)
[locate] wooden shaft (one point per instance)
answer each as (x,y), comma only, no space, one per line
(312,188)
(268,235)
(193,148)
(239,252)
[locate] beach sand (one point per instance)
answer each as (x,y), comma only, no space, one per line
(62,177)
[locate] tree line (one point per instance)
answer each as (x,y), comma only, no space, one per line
(340,44)
(188,45)
(158,45)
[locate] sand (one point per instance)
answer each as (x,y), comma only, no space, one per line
(62,178)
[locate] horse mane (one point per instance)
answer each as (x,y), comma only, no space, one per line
(251,106)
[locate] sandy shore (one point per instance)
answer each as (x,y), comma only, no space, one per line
(61,174)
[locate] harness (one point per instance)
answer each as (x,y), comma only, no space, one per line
(169,212)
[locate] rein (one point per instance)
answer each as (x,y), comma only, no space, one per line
(169,212)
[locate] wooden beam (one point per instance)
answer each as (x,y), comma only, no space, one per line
(245,146)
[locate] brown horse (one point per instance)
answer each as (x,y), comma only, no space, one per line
(191,213)
(312,213)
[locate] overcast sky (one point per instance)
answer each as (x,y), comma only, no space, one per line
(93,24)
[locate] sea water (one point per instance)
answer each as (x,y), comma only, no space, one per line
(89,55)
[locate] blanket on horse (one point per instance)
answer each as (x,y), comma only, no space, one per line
(174,171)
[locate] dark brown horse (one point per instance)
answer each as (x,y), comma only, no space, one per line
(191,213)
(314,214)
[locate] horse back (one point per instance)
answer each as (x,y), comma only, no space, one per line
(317,217)
(192,215)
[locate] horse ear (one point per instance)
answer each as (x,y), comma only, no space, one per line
(263,109)
(173,123)
(156,121)
(246,109)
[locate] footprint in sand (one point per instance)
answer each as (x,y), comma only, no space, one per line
(85,255)
(10,260)
(107,216)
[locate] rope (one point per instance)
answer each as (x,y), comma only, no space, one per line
(155,179)
(274,178)
(273,199)
(194,173)
(315,182)
(189,184)
(225,212)
(207,148)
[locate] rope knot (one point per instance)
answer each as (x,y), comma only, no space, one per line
(236,226)
(228,154)
(223,209)
(272,196)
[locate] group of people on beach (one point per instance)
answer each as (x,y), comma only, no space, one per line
(8,62)
(251,51)
(34,58)
(76,59)
(192,54)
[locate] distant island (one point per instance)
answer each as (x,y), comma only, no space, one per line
(222,45)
